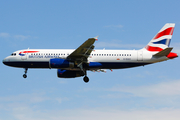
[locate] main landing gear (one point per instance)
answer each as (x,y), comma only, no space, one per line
(83,72)
(86,79)
(25,76)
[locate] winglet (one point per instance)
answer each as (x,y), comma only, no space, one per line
(96,38)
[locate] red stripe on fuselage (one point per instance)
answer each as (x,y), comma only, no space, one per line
(168,31)
(29,51)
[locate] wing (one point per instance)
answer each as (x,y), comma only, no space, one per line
(82,52)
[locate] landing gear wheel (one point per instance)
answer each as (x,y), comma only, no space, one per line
(86,79)
(25,76)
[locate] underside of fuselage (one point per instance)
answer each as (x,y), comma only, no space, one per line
(104,65)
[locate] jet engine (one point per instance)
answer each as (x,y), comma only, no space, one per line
(60,63)
(68,74)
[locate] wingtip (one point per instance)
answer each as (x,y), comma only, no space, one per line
(96,38)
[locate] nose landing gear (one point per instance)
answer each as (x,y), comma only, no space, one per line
(25,76)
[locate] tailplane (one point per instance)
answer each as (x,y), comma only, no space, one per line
(162,39)
(164,52)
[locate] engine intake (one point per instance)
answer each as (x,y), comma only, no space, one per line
(60,63)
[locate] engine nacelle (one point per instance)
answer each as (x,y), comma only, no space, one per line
(68,73)
(60,63)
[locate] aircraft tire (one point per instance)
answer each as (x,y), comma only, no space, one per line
(24,76)
(86,79)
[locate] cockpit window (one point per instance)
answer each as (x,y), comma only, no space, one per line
(13,54)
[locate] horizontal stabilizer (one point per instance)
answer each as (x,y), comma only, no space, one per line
(164,52)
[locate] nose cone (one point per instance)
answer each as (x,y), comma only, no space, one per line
(4,61)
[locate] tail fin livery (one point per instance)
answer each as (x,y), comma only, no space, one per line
(162,39)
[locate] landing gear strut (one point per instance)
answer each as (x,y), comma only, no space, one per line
(83,72)
(25,76)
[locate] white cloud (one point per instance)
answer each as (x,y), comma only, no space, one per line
(19,37)
(116,45)
(22,37)
(25,113)
(31,98)
(176,48)
(158,90)
(177,51)
(4,35)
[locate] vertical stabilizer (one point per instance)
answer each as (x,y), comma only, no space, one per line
(162,39)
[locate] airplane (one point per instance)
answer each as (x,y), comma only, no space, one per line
(71,63)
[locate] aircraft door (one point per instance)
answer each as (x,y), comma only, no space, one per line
(140,56)
(24,56)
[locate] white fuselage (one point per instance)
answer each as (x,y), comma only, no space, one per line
(110,59)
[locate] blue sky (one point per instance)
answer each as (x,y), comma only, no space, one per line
(151,92)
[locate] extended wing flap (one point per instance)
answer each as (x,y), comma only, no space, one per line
(164,52)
